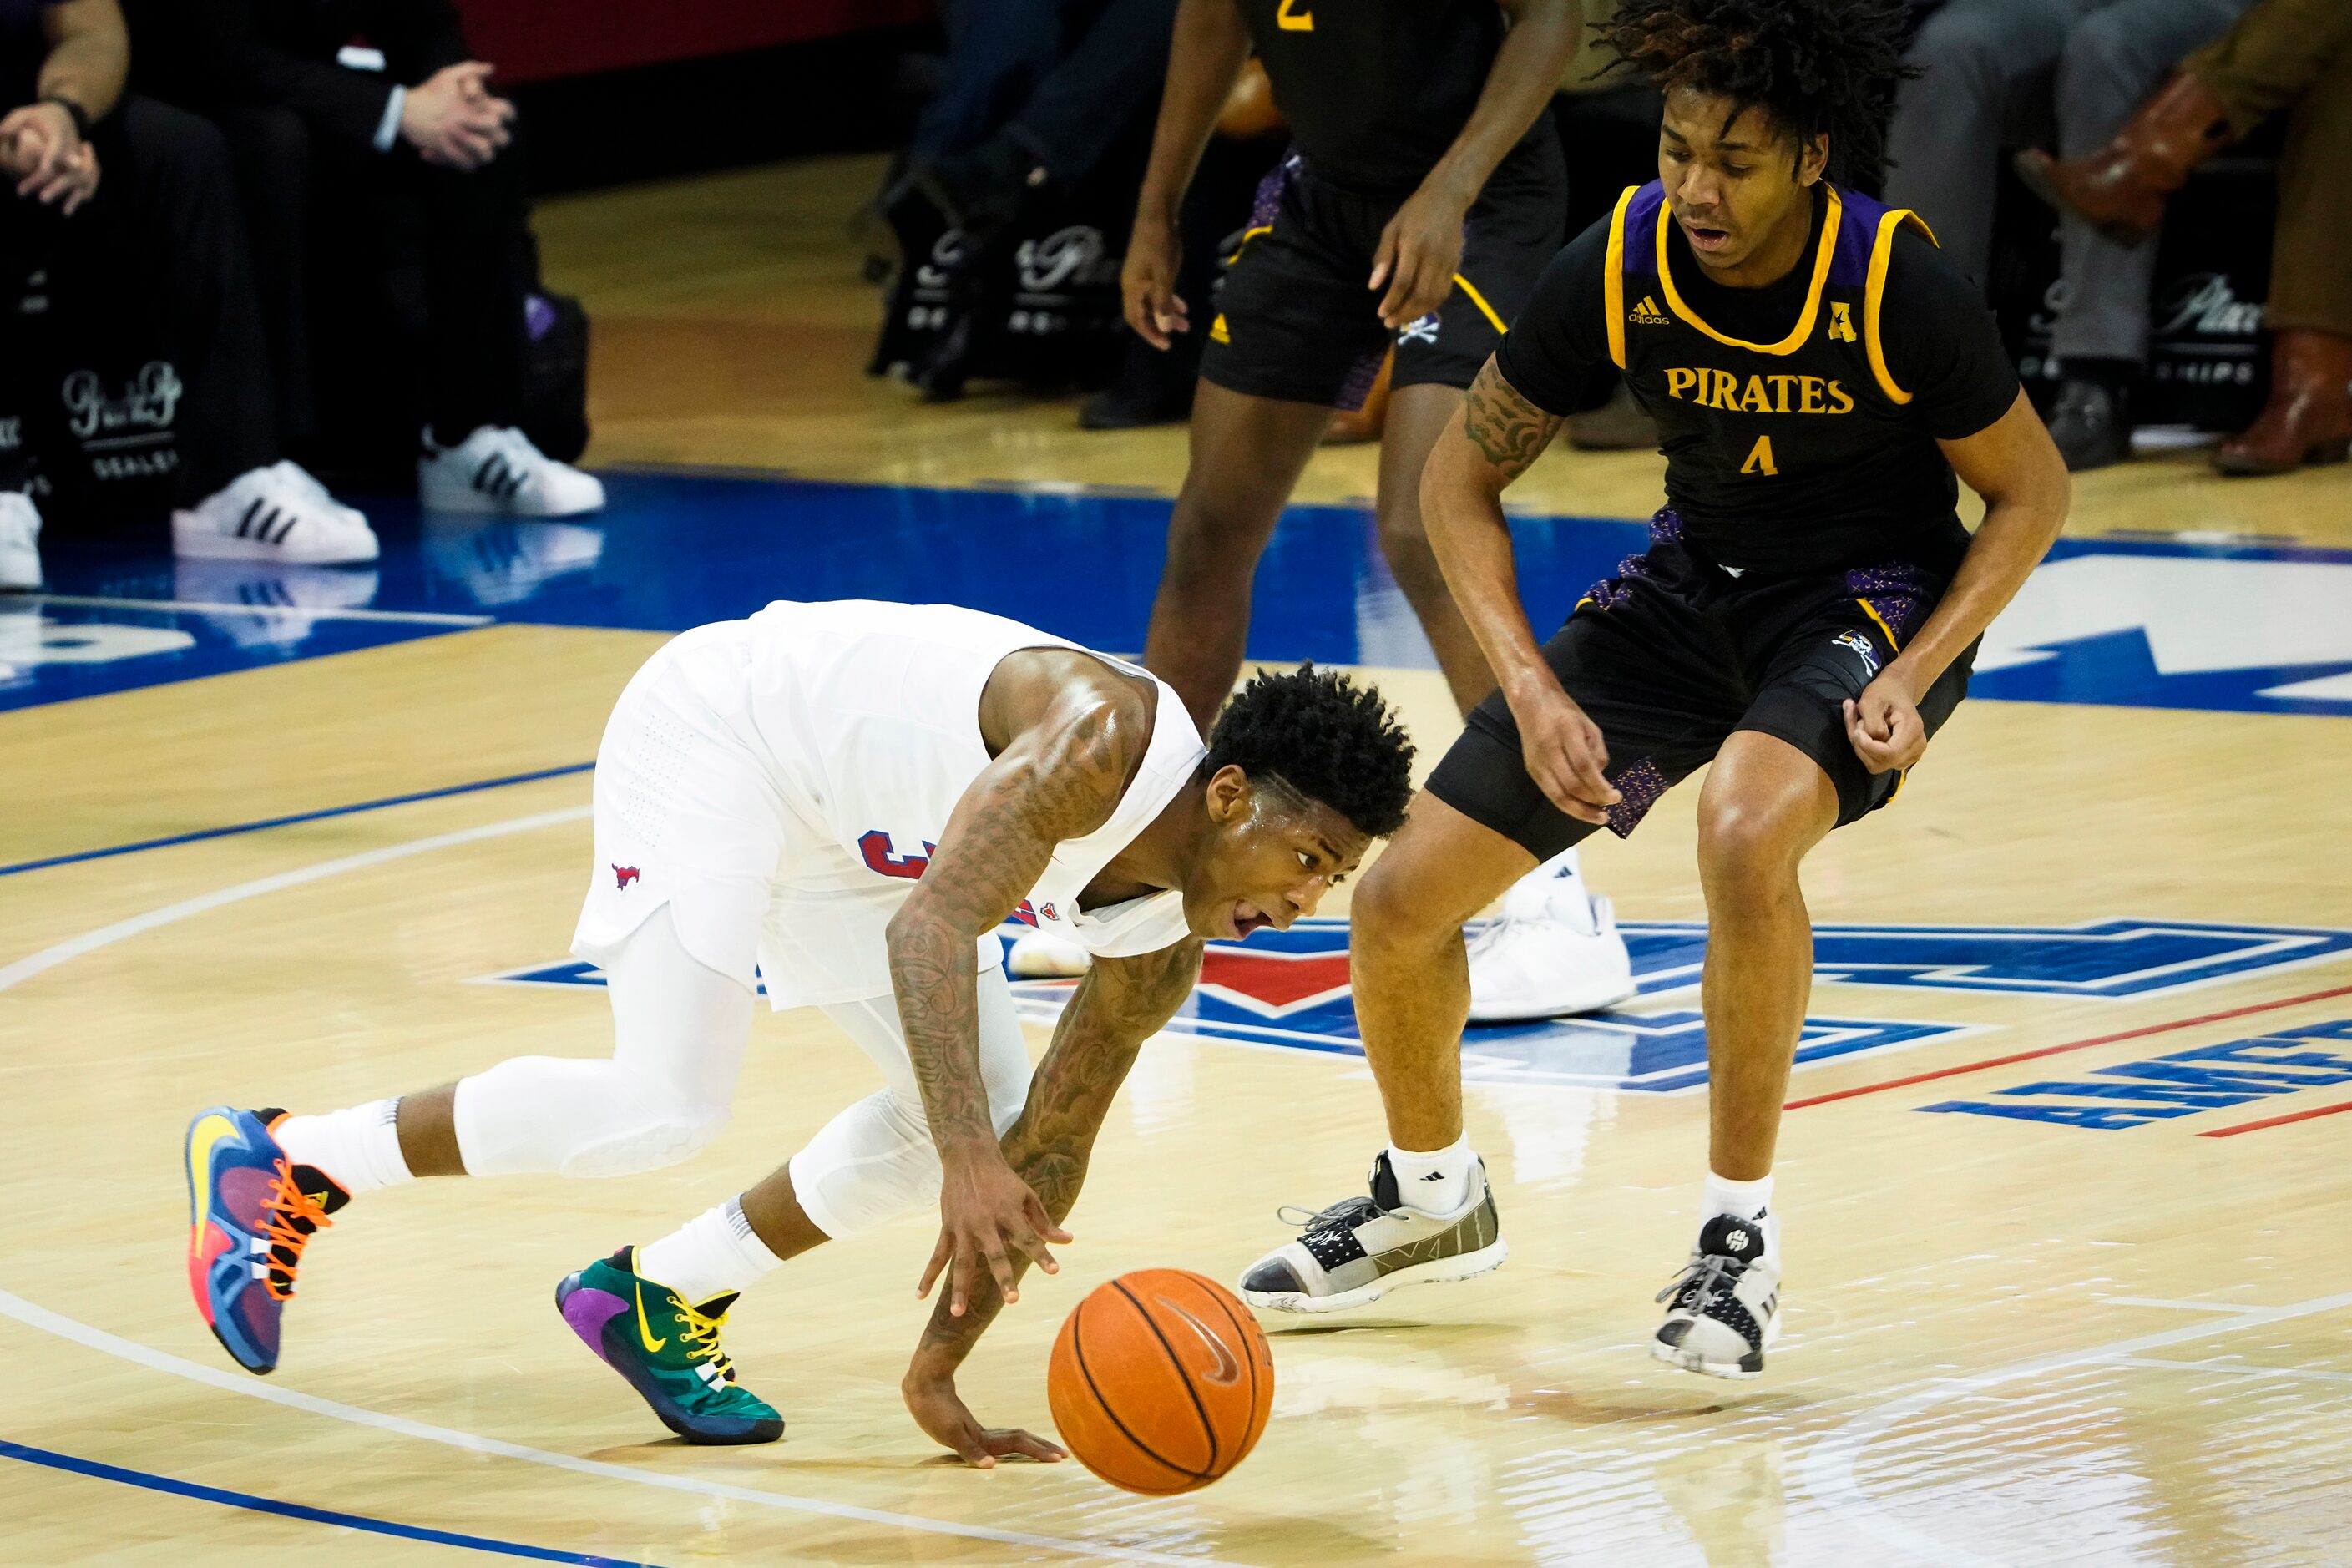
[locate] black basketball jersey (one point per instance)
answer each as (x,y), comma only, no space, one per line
(1375,90)
(1792,456)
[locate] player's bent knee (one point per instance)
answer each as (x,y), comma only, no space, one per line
(665,1129)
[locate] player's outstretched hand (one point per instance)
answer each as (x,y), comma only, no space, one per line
(940,1412)
(1419,252)
(987,1212)
(1565,753)
(1147,281)
(1885,726)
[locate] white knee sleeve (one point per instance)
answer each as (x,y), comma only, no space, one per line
(678,1034)
(875,1160)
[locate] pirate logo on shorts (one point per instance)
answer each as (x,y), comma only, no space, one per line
(1862,649)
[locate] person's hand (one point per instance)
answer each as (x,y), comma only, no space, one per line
(987,1212)
(1419,252)
(939,1411)
(1885,726)
(1564,752)
(452,117)
(1147,281)
(42,149)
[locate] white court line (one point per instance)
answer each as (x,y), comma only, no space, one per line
(99,1340)
(206,607)
(1829,1466)
(2177,1306)
(2234,1370)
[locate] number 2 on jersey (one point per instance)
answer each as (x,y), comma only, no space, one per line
(1291,21)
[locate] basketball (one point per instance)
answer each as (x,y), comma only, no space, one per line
(1160,1381)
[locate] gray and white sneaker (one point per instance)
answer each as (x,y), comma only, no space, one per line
(1360,1248)
(1726,1303)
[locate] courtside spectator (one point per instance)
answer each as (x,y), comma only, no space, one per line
(2290,56)
(122,208)
(426,134)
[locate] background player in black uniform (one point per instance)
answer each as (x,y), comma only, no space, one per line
(1423,196)
(1804,618)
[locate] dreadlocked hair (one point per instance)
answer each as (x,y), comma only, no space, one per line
(1326,736)
(1812,66)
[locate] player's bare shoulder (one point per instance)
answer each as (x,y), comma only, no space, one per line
(1085,722)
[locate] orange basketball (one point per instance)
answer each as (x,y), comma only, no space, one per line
(1160,1381)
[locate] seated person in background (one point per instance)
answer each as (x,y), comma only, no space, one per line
(1035,93)
(1996,72)
(2291,55)
(428,132)
(124,206)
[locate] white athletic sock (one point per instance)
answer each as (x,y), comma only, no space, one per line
(358,1148)
(709,1255)
(1744,1200)
(1437,1182)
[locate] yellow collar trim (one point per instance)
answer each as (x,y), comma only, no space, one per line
(1804,327)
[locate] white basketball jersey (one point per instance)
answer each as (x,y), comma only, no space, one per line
(862,719)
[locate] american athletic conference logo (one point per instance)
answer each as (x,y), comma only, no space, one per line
(1289,990)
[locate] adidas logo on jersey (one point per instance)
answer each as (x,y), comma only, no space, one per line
(1646,313)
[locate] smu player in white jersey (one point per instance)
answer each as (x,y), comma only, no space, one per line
(852,797)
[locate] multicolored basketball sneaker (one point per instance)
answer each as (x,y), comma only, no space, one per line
(250,1214)
(668,1348)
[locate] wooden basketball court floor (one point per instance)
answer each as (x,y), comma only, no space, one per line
(2065,1195)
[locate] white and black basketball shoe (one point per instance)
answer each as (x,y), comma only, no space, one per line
(498,470)
(1360,1248)
(1725,1305)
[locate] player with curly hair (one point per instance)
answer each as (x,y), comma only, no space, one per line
(853,797)
(1804,618)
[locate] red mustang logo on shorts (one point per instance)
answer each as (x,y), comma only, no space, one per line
(623,874)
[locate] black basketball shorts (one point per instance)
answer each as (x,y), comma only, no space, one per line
(1674,654)
(1295,321)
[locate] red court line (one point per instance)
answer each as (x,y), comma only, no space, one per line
(2275,1121)
(2073,1045)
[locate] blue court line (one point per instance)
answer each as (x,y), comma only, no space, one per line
(300,1510)
(204,833)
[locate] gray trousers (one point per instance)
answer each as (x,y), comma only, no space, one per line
(1998,74)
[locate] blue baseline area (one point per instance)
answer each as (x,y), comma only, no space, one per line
(675,550)
(150,1482)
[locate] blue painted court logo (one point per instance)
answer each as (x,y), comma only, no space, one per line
(1288,991)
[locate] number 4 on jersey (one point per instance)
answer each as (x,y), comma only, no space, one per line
(1291,20)
(1760,458)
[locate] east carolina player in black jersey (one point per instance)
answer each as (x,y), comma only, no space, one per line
(1422,197)
(1804,616)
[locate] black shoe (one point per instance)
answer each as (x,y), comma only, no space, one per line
(982,190)
(1154,387)
(2092,425)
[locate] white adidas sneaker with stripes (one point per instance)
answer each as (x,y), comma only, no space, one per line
(498,470)
(279,513)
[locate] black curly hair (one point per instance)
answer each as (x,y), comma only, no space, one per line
(1326,736)
(1812,66)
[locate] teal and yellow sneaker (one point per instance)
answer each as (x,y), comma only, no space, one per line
(669,1350)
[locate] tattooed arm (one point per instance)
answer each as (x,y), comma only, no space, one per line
(1496,437)
(1121,1002)
(1057,777)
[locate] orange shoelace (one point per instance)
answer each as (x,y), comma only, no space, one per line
(289,1217)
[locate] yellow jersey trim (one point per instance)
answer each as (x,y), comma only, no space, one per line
(1804,328)
(1480,301)
(1612,282)
(1882,251)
